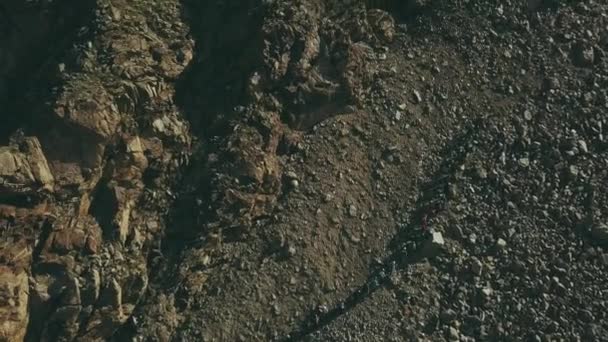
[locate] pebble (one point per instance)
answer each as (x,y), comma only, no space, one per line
(397,115)
(291,175)
(158,125)
(501,244)
(453,333)
(482,173)
(524,162)
(583,146)
(417,96)
(352,210)
(476,266)
(433,245)
(584,55)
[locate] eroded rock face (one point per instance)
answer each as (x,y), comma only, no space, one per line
(24,169)
(91,110)
(83,192)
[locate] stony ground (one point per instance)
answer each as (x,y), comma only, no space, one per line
(303,171)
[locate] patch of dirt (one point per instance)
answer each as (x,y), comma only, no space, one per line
(305,171)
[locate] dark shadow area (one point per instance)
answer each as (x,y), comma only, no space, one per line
(33,35)
(227,36)
(210,91)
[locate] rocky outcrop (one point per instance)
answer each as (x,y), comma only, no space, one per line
(24,169)
(84,190)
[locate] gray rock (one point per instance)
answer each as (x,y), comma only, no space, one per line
(417,97)
(524,162)
(433,246)
(501,244)
(476,266)
(604,259)
(583,146)
(352,210)
(584,55)
(573,170)
(453,334)
(294,183)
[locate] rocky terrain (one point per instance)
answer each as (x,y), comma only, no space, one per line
(307,170)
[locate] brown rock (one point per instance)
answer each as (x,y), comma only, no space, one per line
(24,170)
(90,108)
(68,239)
(13,304)
(91,245)
(382,24)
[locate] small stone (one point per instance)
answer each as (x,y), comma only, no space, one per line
(583,146)
(91,245)
(476,266)
(453,333)
(501,244)
(291,175)
(486,292)
(291,251)
(352,210)
(433,245)
(524,162)
(397,115)
(417,97)
(294,183)
(159,125)
(573,170)
(482,173)
(527,115)
(583,55)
